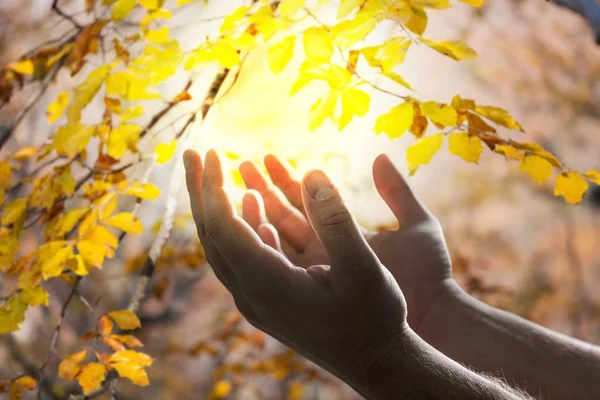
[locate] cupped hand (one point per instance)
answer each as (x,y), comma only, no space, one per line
(333,313)
(415,253)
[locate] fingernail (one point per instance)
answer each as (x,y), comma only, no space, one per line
(318,185)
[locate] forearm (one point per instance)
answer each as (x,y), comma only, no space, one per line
(409,368)
(490,340)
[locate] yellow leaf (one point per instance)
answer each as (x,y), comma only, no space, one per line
(131,113)
(91,253)
(13,211)
(322,109)
(122,8)
(125,319)
(281,54)
(433,4)
(498,115)
(57,108)
(593,176)
(26,152)
(91,376)
(397,121)
(131,86)
(24,67)
(398,79)
(318,45)
(538,168)
(53,257)
(12,314)
(455,49)
(348,33)
(128,340)
(290,7)
(346,7)
(126,222)
(35,296)
(164,151)
(388,55)
(473,3)
(146,191)
(355,102)
(151,5)
(231,20)
(72,138)
(122,137)
(221,389)
(130,364)
(153,16)
(442,114)
(26,382)
(467,147)
(71,365)
(421,152)
(571,186)
(158,36)
(86,91)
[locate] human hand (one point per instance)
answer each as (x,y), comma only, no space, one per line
(415,253)
(335,314)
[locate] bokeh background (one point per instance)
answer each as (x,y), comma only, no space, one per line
(514,245)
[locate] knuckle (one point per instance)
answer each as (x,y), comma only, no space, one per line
(335,216)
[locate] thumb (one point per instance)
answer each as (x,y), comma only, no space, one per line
(332,222)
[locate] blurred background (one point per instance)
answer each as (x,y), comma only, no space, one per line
(514,245)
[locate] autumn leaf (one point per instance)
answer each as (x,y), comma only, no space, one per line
(438,113)
(13,211)
(397,121)
(455,49)
(538,168)
(322,109)
(72,138)
(121,138)
(281,54)
(221,389)
(354,102)
(126,222)
(122,8)
(290,7)
(146,191)
(318,45)
(499,116)
(467,147)
(130,364)
(24,67)
(572,186)
(164,151)
(387,55)
(86,91)
(71,365)
(125,319)
(57,108)
(91,376)
(421,152)
(26,382)
(350,32)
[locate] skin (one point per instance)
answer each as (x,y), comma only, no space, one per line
(466,330)
(347,315)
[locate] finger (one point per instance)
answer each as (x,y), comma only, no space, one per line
(334,225)
(289,221)
(280,173)
(194,171)
(253,209)
(193,176)
(396,192)
(251,261)
(269,236)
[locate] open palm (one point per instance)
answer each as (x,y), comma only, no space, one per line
(415,253)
